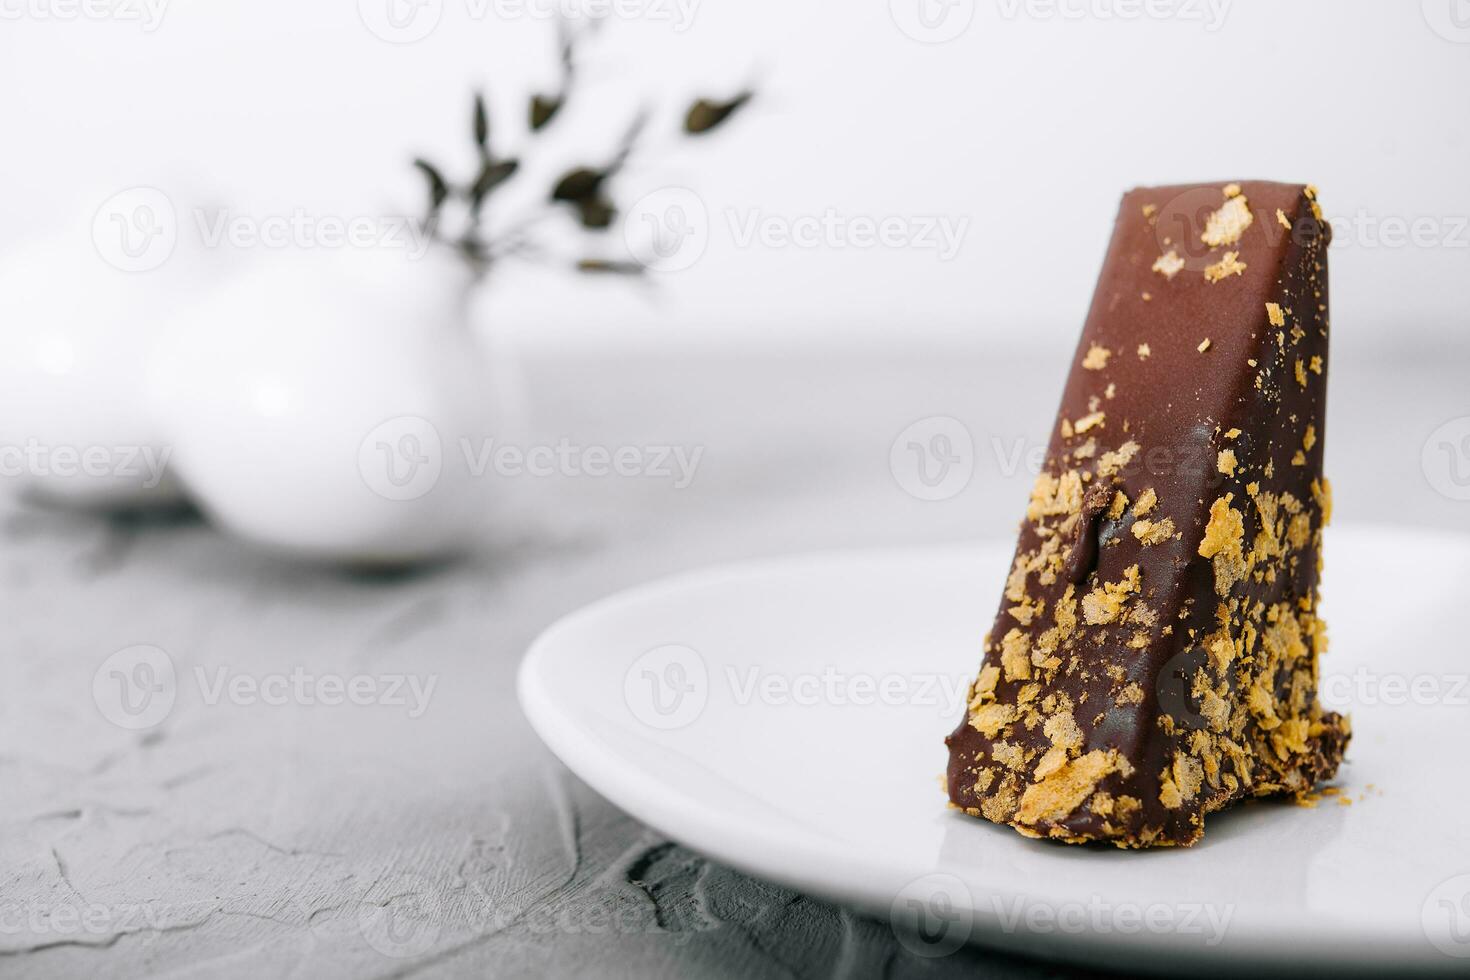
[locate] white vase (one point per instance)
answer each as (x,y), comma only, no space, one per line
(328,405)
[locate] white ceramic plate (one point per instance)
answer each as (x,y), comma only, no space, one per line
(787,718)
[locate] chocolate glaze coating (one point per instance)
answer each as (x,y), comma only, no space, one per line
(1190,683)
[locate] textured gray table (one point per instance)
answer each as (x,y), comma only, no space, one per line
(355,840)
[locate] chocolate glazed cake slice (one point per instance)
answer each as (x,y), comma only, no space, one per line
(1155,655)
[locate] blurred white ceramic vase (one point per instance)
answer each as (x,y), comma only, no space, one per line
(330,404)
(78,316)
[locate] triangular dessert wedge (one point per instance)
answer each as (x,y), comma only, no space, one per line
(1155,655)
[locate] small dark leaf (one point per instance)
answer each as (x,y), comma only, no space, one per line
(596,213)
(543,108)
(482,125)
(438,188)
(614,268)
(474,250)
(577,185)
(492,175)
(704,115)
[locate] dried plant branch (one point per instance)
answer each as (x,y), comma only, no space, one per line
(584,188)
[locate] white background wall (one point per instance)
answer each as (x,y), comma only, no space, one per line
(1028,125)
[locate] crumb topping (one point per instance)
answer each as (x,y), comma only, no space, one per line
(1088,422)
(1169,264)
(1224,543)
(1106,603)
(1061,792)
(1097,358)
(1229,265)
(1227,225)
(1153,532)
